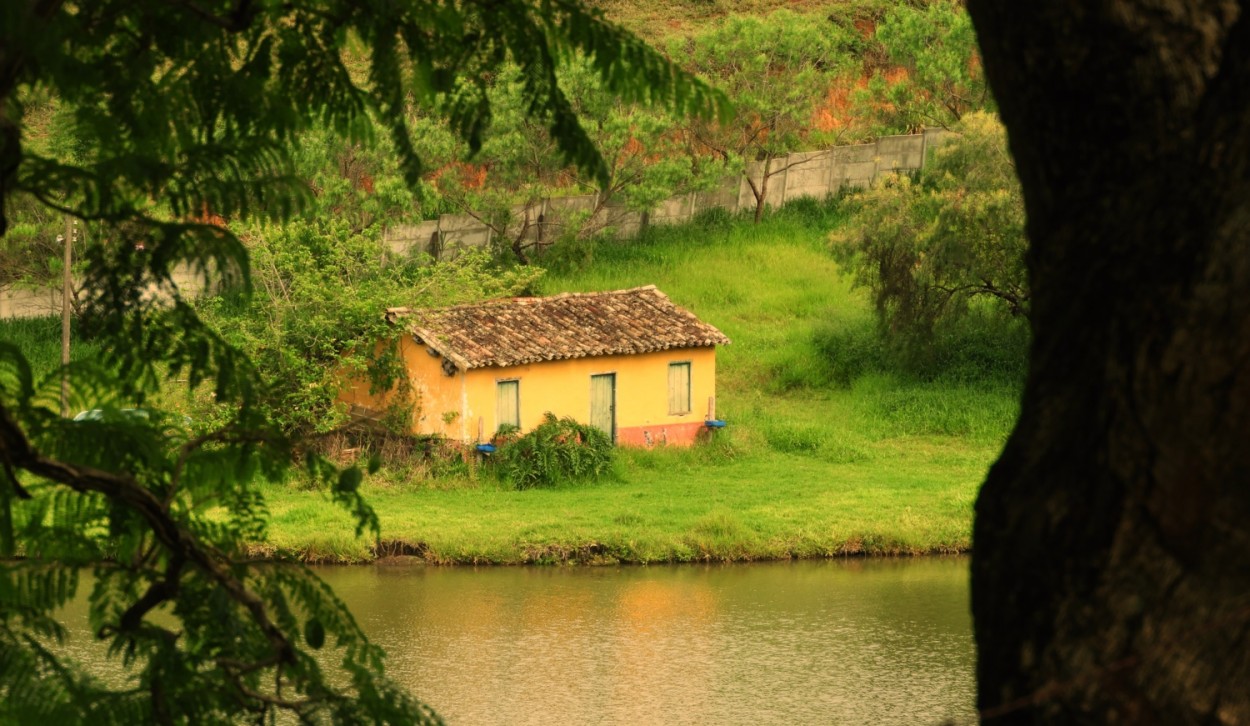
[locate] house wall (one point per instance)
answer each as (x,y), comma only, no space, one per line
(438,398)
(563,388)
(462,406)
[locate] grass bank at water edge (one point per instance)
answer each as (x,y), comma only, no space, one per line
(915,498)
(830,451)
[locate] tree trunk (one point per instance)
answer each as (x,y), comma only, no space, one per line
(1111,574)
(761,193)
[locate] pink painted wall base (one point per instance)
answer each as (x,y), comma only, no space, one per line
(683,434)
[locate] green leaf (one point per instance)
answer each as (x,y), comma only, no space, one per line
(349,479)
(314,634)
(189,138)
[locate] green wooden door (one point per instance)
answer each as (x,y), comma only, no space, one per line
(508,403)
(603,403)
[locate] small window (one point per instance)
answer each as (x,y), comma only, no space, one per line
(678,388)
(508,403)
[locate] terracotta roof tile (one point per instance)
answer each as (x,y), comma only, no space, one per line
(517,331)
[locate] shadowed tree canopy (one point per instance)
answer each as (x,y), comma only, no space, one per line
(1111,575)
(181,111)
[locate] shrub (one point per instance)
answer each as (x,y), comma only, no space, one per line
(976,348)
(558,450)
(850,352)
(790,438)
(933,248)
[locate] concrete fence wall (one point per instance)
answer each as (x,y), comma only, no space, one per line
(815,174)
(27,303)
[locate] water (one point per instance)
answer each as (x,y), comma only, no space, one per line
(827,642)
(857,642)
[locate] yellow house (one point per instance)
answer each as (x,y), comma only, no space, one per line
(628,361)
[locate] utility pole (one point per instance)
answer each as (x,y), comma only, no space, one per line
(67,289)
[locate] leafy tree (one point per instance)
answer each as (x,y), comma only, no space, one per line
(776,70)
(519,166)
(358,186)
(321,280)
(930,248)
(314,317)
(933,75)
(179,108)
(29,251)
(1110,564)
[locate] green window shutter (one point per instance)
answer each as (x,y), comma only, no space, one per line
(678,388)
(603,403)
(508,403)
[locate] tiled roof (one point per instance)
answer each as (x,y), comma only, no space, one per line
(517,331)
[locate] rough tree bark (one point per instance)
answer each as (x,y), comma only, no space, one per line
(1111,575)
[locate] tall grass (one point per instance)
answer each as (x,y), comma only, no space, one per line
(836,444)
(39,339)
(809,373)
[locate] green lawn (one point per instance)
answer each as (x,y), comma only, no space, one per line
(806,468)
(910,495)
(811,464)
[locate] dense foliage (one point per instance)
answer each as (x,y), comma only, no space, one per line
(798,81)
(557,450)
(933,248)
(181,114)
(933,73)
(322,281)
(317,317)
(518,167)
(777,70)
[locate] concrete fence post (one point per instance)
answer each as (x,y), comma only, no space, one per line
(785,178)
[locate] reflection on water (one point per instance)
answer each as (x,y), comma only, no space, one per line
(829,642)
(862,641)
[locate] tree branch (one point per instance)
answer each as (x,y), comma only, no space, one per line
(17,451)
(239,19)
(157,593)
(787,167)
(224,435)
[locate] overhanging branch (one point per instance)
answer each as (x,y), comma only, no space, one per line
(17,452)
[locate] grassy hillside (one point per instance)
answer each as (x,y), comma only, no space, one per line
(797,329)
(808,466)
(659,21)
(828,450)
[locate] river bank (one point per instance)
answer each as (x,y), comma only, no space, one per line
(830,450)
(902,496)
